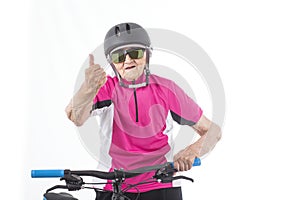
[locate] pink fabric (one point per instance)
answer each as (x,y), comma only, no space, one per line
(143,143)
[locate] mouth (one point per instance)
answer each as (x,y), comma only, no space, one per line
(129,67)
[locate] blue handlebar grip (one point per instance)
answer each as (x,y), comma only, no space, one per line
(47,173)
(197,162)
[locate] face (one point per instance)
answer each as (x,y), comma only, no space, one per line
(131,68)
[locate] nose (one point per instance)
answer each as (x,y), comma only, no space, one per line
(128,59)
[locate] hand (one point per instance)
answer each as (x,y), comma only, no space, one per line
(95,76)
(184,159)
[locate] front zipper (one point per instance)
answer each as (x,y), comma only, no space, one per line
(136,107)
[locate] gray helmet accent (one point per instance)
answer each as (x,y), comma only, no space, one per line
(125,34)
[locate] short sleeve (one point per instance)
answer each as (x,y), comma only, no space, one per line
(184,110)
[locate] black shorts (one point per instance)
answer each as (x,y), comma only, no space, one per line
(160,194)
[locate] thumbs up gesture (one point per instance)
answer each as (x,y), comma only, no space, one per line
(95,76)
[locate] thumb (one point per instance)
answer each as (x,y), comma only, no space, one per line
(91,59)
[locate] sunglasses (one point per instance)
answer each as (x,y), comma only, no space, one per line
(119,56)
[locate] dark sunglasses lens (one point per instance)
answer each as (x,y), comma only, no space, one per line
(118,57)
(136,54)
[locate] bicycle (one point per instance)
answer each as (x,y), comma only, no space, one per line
(73,181)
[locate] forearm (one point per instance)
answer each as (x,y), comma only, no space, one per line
(78,110)
(80,106)
(210,134)
(207,141)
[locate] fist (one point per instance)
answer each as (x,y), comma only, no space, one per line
(95,76)
(184,159)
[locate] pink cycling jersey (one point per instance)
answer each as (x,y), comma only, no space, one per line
(134,125)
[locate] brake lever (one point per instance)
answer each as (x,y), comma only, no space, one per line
(170,179)
(69,186)
(165,175)
(165,172)
(73,182)
(57,187)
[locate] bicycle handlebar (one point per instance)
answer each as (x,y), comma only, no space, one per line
(56,173)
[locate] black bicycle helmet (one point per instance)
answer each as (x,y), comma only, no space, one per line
(125,34)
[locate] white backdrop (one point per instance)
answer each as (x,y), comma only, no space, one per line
(254,45)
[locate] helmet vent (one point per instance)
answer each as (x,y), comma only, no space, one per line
(117,31)
(128,28)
